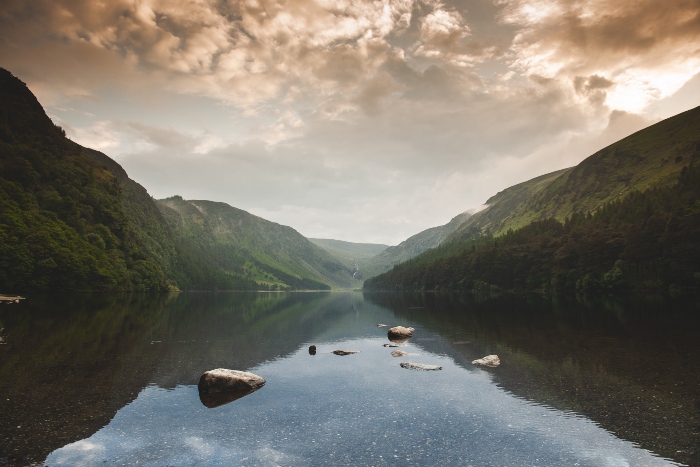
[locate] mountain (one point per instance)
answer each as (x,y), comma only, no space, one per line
(650,157)
(62,223)
(465,225)
(349,253)
(409,248)
(626,217)
(250,247)
(71,219)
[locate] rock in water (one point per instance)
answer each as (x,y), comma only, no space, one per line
(312,350)
(399,333)
(380,325)
(489,360)
(222,380)
(221,386)
(344,352)
(399,353)
(390,345)
(419,366)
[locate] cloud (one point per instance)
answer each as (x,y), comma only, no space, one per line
(646,50)
(361,120)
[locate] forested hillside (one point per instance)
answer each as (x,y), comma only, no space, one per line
(62,224)
(648,239)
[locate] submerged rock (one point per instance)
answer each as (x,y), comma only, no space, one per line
(398,353)
(344,352)
(221,386)
(419,366)
(489,360)
(312,350)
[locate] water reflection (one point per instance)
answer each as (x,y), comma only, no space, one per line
(631,364)
(114,378)
(211,400)
(73,361)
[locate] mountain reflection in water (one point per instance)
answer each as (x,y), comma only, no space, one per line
(94,378)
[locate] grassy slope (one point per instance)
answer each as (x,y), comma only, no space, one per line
(411,247)
(653,156)
(257,247)
(349,253)
(502,205)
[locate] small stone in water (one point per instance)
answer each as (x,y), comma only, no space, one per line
(489,360)
(344,352)
(419,366)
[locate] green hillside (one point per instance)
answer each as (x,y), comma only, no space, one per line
(409,248)
(626,217)
(502,205)
(62,223)
(246,246)
(653,156)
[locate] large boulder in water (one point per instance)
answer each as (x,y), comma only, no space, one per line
(489,360)
(400,333)
(221,386)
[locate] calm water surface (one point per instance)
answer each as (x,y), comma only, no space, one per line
(111,380)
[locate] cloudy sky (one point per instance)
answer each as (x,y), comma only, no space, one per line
(360,120)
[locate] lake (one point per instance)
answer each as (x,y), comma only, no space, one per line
(584,381)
